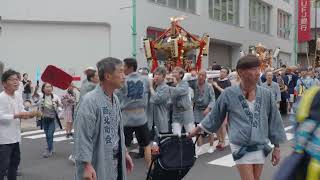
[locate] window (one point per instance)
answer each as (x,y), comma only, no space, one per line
(161,2)
(259,16)
(211,9)
(173,4)
(314,3)
(184,5)
(283,24)
(192,5)
(224,10)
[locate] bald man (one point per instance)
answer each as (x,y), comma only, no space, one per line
(203,102)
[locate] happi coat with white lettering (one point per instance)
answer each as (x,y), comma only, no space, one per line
(99,136)
(246,127)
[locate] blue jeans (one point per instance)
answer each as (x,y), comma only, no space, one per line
(49,127)
(26,96)
(9,160)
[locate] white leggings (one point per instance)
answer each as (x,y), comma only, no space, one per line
(177,127)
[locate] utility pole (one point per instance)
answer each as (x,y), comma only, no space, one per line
(295,33)
(315,29)
(0,25)
(134,28)
(315,19)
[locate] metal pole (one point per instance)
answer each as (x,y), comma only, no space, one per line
(315,19)
(134,29)
(315,29)
(0,25)
(307,53)
(296,34)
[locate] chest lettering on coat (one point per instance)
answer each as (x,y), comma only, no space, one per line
(135,89)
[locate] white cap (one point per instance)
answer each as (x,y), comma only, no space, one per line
(89,69)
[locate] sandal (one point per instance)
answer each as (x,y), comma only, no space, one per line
(220,146)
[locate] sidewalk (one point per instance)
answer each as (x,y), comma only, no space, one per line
(30,125)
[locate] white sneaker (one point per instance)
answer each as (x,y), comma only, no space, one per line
(134,141)
(210,150)
(47,154)
(71,158)
(198,150)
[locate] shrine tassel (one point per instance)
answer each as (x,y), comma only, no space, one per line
(199,60)
(154,58)
(180,47)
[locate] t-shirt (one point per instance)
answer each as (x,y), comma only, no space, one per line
(224,83)
(10,127)
(291,81)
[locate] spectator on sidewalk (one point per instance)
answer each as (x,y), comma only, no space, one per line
(49,106)
(215,66)
(27,87)
(315,81)
(304,83)
(290,80)
(273,87)
(21,87)
(11,112)
(1,72)
(219,86)
(284,93)
(89,83)
(68,101)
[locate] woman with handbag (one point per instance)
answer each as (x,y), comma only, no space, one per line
(49,106)
(68,101)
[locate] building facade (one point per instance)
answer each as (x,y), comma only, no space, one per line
(306,55)
(75,34)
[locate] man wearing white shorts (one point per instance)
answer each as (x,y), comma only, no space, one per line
(253,120)
(182,114)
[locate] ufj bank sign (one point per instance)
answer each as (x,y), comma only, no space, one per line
(304,31)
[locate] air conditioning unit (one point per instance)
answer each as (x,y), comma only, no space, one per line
(206,47)
(276,53)
(147,48)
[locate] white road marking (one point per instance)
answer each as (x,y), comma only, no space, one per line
(224,161)
(32,132)
(62,138)
(288,128)
(228,159)
(38,136)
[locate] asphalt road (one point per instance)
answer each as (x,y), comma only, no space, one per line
(215,166)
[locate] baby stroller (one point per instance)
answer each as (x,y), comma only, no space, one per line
(175,158)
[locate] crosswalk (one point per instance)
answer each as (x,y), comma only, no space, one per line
(226,160)
(59,135)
